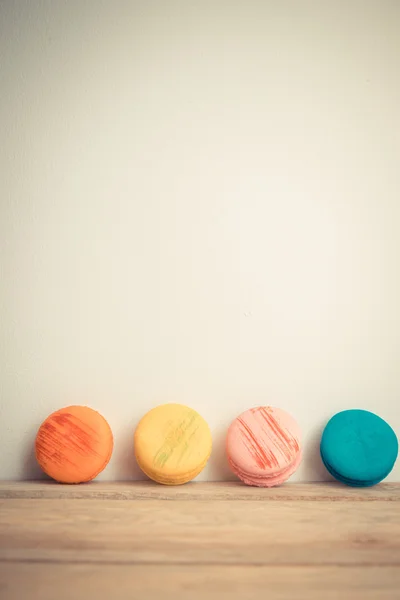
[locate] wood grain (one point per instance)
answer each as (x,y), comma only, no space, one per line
(240,532)
(215,491)
(141,540)
(122,582)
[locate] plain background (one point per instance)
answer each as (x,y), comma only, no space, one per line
(199,203)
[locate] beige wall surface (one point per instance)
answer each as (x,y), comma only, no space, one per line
(199,202)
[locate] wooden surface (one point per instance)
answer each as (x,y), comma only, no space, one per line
(199,541)
(144,490)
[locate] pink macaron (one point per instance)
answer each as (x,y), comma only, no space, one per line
(263,446)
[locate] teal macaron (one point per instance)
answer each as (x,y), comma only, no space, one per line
(358,448)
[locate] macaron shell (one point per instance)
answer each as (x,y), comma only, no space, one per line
(264,442)
(172,444)
(358,447)
(74,444)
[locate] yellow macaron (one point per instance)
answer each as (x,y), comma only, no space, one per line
(172,444)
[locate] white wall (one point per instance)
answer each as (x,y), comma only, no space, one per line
(199,203)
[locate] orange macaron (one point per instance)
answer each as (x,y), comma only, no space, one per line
(74,444)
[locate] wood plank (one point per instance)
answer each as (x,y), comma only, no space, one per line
(146,490)
(80,582)
(241,532)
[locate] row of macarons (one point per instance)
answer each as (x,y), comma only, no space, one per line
(172,444)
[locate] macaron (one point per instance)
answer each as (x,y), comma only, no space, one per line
(74,444)
(263,446)
(358,448)
(172,444)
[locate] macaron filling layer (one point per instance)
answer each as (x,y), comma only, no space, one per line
(171,479)
(349,481)
(267,480)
